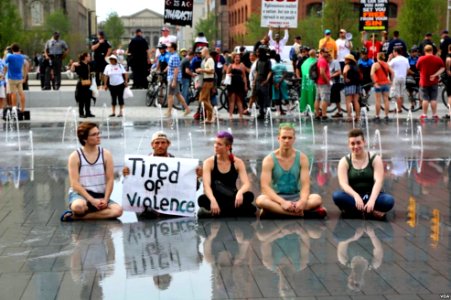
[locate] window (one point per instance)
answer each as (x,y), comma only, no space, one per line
(314,9)
(392,10)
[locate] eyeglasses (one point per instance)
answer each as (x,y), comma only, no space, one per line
(95,133)
(286,124)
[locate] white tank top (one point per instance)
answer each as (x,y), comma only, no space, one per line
(92,176)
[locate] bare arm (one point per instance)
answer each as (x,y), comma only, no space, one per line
(448,66)
(345,73)
(206,177)
(378,168)
(244,179)
(304,179)
(109,173)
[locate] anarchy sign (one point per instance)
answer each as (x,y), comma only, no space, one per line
(178,12)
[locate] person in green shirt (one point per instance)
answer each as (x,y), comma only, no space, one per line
(361,177)
(308,87)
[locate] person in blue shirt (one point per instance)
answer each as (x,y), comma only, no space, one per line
(2,84)
(16,69)
(365,63)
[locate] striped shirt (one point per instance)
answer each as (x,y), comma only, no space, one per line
(92,175)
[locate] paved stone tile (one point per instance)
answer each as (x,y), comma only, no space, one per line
(428,277)
(13,284)
(402,297)
(76,284)
(239,282)
(43,285)
(400,280)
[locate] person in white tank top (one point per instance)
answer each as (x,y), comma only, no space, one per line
(91,175)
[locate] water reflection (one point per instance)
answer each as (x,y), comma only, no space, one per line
(360,248)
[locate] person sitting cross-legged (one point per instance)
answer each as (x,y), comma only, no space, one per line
(285,181)
(361,177)
(91,176)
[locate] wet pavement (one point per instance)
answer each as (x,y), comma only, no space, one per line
(406,257)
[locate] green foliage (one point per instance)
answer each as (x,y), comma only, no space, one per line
(415,18)
(208,27)
(57,21)
(114,29)
(340,14)
(10,23)
(254,32)
(310,31)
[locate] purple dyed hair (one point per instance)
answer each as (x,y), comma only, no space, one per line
(227,136)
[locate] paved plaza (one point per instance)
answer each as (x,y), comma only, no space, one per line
(405,257)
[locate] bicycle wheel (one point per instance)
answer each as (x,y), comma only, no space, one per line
(223,99)
(414,99)
(445,97)
(162,95)
(150,95)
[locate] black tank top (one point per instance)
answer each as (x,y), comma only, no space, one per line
(228,179)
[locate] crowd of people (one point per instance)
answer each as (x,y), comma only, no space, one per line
(284,182)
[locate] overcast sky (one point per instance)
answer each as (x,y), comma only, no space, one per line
(127,7)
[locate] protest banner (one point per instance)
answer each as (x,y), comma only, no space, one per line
(280,13)
(166,185)
(178,12)
(158,248)
(373,15)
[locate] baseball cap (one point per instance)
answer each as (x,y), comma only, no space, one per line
(327,31)
(112,57)
(159,135)
(445,31)
(162,46)
(183,50)
(138,30)
(165,28)
(343,30)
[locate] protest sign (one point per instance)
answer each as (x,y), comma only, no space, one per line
(178,12)
(280,13)
(158,248)
(373,15)
(166,185)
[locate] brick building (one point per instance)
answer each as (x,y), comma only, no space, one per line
(239,12)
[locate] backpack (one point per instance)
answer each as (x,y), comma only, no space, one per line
(313,73)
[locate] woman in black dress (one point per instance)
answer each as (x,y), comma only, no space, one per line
(83,92)
(238,87)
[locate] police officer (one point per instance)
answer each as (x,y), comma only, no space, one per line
(139,59)
(55,51)
(102,49)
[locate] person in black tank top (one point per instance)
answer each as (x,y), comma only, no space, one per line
(220,173)
(361,178)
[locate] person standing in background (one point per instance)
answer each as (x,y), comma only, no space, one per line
(55,51)
(102,49)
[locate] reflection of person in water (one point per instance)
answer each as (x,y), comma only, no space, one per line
(350,254)
(91,260)
(162,282)
(222,249)
(430,175)
(286,248)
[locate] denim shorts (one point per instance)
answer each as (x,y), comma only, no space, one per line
(74,196)
(429,93)
(382,88)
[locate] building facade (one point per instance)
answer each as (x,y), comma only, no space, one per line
(80,13)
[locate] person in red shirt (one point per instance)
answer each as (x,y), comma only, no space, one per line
(372,45)
(430,68)
(322,85)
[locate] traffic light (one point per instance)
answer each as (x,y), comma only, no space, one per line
(412,212)
(435,227)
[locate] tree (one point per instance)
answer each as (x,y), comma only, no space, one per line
(10,23)
(415,18)
(339,14)
(57,21)
(114,29)
(208,27)
(254,31)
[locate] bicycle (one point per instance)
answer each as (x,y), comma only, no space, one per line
(412,90)
(442,84)
(157,90)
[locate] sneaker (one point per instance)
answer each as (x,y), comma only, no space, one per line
(446,117)
(337,115)
(387,118)
(423,117)
(187,112)
(377,118)
(435,117)
(318,213)
(324,118)
(196,116)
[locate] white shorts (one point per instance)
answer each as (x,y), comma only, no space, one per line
(398,87)
(2,92)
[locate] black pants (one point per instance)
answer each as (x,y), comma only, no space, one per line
(263,97)
(140,73)
(117,94)
(83,96)
(227,205)
(53,65)
(100,67)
